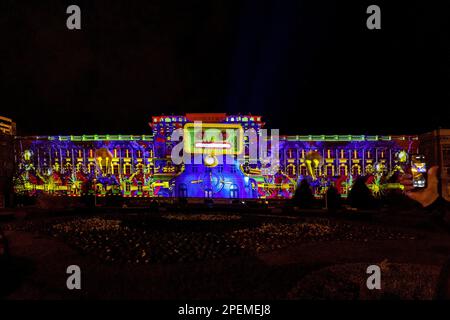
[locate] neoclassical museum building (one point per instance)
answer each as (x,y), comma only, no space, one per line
(143,165)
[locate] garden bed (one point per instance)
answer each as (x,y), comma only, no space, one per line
(141,238)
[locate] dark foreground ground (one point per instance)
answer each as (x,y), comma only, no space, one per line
(137,254)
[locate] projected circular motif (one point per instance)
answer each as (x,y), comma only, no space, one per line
(211,181)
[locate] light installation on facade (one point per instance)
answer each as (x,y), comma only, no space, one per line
(142,166)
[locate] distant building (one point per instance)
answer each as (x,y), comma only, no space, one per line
(7,126)
(435,145)
(7,132)
(141,165)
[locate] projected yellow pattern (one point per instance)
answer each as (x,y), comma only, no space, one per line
(213,138)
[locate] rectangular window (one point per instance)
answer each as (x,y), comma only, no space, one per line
(446,156)
(329,171)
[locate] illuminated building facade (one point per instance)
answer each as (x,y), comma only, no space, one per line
(435,146)
(7,131)
(143,166)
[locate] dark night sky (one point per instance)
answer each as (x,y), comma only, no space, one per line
(306,66)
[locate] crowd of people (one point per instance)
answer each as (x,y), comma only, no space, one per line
(360,197)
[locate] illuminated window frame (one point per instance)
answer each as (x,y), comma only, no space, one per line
(187,138)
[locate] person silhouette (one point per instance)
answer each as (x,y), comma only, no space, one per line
(438,209)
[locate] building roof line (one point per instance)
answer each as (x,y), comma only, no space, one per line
(91,137)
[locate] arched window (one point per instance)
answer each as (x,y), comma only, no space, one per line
(303,170)
(169,151)
(317,172)
(234,191)
(208,193)
(182,190)
(330,170)
(91,168)
(104,167)
(290,170)
(356,170)
(115,168)
(343,170)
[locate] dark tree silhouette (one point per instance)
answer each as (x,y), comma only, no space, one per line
(333,199)
(303,196)
(360,196)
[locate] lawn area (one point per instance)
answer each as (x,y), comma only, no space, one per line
(176,255)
